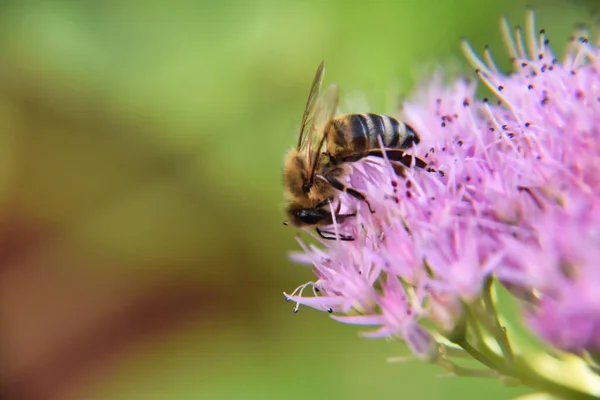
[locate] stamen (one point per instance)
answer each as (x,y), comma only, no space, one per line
(520,43)
(581,184)
(533,195)
(509,40)
(302,244)
(335,224)
(531,34)
(574,48)
(575,62)
(486,79)
(315,289)
(472,57)
(584,52)
(416,186)
(544,44)
(388,164)
(487,55)
(298,293)
(582,32)
(498,127)
(480,142)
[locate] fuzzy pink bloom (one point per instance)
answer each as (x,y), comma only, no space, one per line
(515,196)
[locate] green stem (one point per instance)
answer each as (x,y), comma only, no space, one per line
(473,323)
(454,352)
(487,358)
(457,370)
(519,369)
(480,344)
(493,323)
(531,378)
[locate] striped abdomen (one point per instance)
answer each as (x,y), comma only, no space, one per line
(355,134)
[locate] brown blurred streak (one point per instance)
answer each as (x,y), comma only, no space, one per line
(35,99)
(88,114)
(19,235)
(146,318)
(36,103)
(161,308)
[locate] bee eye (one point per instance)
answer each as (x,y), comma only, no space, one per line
(309,216)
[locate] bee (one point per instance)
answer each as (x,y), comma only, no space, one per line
(314,170)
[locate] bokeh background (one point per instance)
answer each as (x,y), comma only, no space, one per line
(142,254)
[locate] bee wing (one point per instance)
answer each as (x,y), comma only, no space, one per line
(324,112)
(310,105)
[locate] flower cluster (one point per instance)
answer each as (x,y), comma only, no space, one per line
(511,196)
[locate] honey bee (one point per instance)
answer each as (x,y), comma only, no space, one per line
(314,170)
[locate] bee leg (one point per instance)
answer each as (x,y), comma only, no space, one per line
(343,188)
(332,236)
(399,156)
(339,217)
(400,161)
(326,202)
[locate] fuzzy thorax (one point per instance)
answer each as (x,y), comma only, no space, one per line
(299,188)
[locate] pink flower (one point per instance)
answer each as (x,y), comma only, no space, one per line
(515,197)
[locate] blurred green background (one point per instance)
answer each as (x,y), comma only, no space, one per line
(142,254)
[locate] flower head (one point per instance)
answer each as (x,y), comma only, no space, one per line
(511,193)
